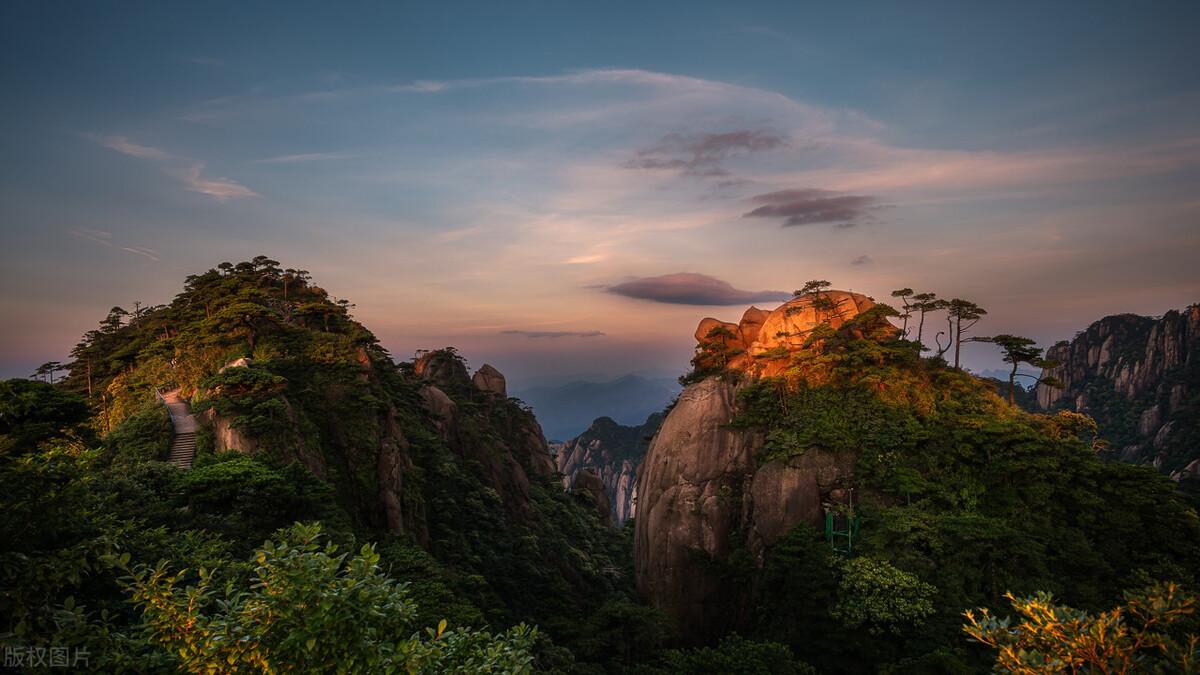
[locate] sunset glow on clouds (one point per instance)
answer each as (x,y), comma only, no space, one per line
(504,181)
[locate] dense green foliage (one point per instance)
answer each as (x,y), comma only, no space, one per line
(874,594)
(311,610)
(962,498)
(733,654)
(480,535)
(144,436)
(32,412)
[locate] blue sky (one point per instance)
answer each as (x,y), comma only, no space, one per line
(491,175)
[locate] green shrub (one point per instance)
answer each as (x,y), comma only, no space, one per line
(312,610)
(734,654)
(144,436)
(873,593)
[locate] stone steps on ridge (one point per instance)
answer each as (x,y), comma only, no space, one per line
(183,445)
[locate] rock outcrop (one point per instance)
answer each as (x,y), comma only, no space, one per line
(513,454)
(762,341)
(785,492)
(687,506)
(701,489)
(612,452)
(442,370)
(1139,377)
(587,482)
(393,465)
(227,436)
(491,380)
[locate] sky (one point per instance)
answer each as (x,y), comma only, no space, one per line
(564,189)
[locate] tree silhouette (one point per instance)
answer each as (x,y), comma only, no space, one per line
(925,303)
(115,319)
(959,311)
(47,370)
(904,294)
(814,286)
(291,276)
(942,349)
(1018,350)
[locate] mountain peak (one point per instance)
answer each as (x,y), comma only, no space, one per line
(762,340)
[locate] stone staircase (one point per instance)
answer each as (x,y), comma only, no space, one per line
(183,449)
(183,445)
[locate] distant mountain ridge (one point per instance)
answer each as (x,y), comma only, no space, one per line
(613,453)
(1139,377)
(566,411)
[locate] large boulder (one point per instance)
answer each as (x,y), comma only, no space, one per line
(702,491)
(443,369)
(751,324)
(788,491)
(490,380)
(688,491)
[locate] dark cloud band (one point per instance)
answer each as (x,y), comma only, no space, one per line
(812,206)
(702,154)
(687,288)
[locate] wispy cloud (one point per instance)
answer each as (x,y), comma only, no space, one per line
(553,333)
(810,206)
(127,147)
(689,288)
(97,236)
(305,157)
(106,239)
(682,90)
(221,189)
(142,251)
(585,259)
(191,175)
(861,260)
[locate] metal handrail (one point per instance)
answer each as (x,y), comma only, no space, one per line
(163,400)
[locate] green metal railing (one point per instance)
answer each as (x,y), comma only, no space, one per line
(841,526)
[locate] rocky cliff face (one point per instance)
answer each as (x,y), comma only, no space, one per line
(702,490)
(492,434)
(1139,378)
(611,452)
(512,452)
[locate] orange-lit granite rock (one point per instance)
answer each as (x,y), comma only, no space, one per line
(753,345)
(701,481)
